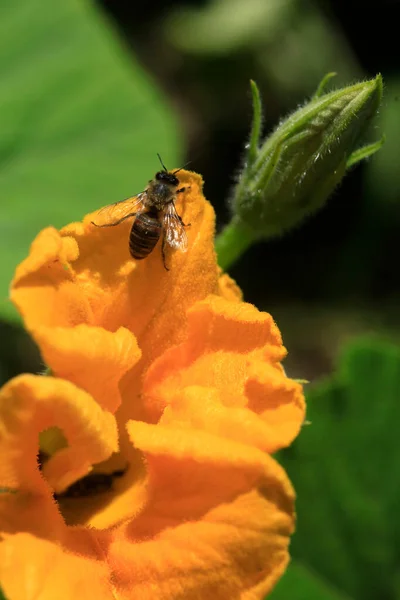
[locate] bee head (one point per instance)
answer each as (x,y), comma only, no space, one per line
(167,177)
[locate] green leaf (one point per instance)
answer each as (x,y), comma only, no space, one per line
(346,471)
(299,583)
(80,122)
(2,596)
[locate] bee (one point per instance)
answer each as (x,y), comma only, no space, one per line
(155,213)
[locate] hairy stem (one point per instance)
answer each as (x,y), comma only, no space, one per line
(232,242)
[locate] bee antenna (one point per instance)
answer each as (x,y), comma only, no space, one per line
(180,169)
(162,164)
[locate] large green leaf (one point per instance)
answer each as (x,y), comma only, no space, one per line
(345,467)
(80,122)
(299,583)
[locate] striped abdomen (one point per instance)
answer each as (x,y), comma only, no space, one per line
(145,233)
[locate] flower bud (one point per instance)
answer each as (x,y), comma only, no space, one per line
(301,162)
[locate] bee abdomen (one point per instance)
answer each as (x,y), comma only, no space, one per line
(145,233)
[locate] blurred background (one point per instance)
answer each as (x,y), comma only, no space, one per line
(92,91)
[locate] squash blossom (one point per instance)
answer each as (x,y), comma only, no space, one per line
(140,466)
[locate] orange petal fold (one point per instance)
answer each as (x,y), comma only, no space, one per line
(92,358)
(30,404)
(232,552)
(236,349)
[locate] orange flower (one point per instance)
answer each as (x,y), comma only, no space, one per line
(167,377)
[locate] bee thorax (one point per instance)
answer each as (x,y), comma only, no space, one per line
(159,194)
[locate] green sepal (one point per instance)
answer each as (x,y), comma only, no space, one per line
(364,152)
(322,85)
(256,124)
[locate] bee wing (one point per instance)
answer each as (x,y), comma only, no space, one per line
(117,211)
(175,234)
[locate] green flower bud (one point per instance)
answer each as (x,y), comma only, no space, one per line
(303,160)
(299,164)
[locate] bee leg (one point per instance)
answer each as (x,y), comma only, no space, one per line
(163,253)
(182,223)
(115,222)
